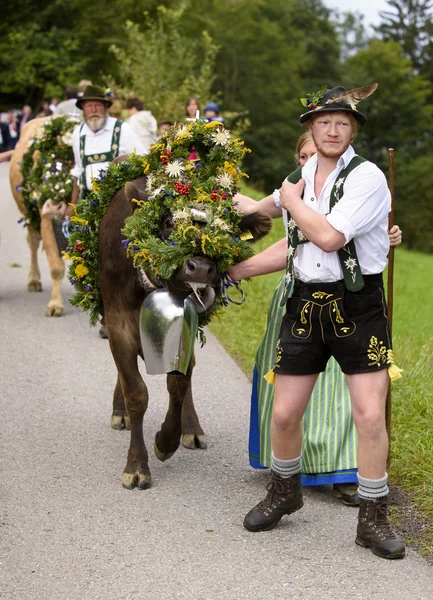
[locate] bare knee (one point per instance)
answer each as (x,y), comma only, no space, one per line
(285,420)
(370,424)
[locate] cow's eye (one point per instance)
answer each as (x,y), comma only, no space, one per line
(169,224)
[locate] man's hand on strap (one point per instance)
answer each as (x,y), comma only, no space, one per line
(291,194)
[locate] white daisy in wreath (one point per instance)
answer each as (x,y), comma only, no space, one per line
(221,224)
(157,192)
(150,181)
(67,139)
(225,180)
(174,169)
(221,137)
(181,215)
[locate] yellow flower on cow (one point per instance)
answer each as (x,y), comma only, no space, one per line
(81,271)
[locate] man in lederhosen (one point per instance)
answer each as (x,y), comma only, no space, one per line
(99,140)
(96,143)
(337,229)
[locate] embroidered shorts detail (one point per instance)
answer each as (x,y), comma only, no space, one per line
(326,319)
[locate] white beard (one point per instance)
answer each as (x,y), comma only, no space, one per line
(95,123)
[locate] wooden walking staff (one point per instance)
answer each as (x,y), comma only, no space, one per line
(390,295)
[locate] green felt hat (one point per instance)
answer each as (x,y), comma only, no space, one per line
(94,92)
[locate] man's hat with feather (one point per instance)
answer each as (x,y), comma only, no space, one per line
(337,99)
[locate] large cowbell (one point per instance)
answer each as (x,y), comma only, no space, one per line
(168,328)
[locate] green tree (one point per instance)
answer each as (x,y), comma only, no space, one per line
(399,117)
(410,24)
(399,114)
(162,65)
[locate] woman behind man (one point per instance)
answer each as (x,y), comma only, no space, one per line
(330,442)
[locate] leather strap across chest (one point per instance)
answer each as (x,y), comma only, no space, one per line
(347,255)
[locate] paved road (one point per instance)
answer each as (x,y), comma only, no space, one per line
(68,531)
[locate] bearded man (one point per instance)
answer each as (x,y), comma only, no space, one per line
(98,141)
(337,229)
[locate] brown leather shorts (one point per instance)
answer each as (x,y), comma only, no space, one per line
(326,319)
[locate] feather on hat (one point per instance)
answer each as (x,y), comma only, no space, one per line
(337,99)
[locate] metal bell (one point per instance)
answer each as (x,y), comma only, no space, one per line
(168,328)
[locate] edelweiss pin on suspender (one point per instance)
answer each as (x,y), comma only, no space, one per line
(90,159)
(353,279)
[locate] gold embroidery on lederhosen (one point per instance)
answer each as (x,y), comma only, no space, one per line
(377,352)
(302,327)
(342,328)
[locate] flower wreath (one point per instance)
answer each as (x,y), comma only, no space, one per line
(193,172)
(46,175)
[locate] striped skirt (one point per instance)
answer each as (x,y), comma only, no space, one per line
(330,439)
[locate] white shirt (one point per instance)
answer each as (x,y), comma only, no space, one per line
(100,142)
(361,214)
(145,126)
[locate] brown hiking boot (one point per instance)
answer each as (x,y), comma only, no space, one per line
(374,530)
(347,492)
(283,498)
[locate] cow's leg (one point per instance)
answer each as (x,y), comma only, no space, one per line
(34,281)
(57,268)
(134,391)
(192,433)
(167,439)
(119,417)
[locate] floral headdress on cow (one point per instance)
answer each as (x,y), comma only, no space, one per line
(46,167)
(193,172)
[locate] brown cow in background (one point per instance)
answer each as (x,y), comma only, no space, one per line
(55,261)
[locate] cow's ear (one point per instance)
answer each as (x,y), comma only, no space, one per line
(136,189)
(258,224)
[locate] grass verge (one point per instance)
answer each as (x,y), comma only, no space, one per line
(241,328)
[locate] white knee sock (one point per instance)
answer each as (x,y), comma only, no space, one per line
(286,468)
(372,489)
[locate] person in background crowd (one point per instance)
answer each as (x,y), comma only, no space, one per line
(53,105)
(4,137)
(192,105)
(142,122)
(212,112)
(13,129)
(45,110)
(163,126)
(25,117)
(82,84)
(68,106)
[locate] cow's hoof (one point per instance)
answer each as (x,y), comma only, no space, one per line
(193,441)
(162,456)
(53,310)
(120,422)
(141,480)
(34,286)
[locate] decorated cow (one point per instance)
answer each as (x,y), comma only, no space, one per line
(39,171)
(164,222)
